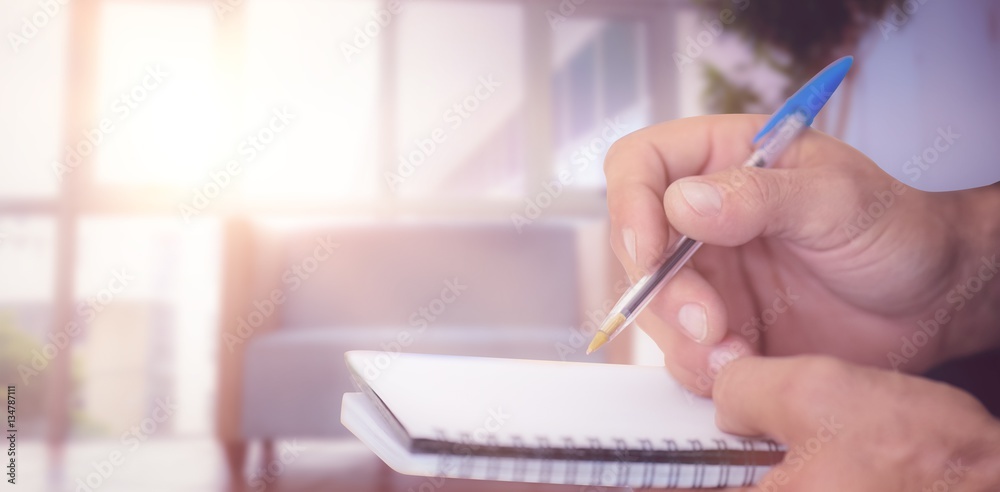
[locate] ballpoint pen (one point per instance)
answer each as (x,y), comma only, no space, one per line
(780,130)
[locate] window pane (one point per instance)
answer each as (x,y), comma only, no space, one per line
(27,258)
(582,89)
(599,93)
(147,296)
(33,84)
(461,83)
(300,55)
(158,112)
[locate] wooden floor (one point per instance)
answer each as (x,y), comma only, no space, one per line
(197,465)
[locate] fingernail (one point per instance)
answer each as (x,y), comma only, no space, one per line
(628,237)
(694,319)
(702,197)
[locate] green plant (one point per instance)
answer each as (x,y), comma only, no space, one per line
(16,348)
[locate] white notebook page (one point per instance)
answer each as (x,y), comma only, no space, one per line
(507,399)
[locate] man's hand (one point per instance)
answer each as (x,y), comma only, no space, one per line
(859,429)
(824,253)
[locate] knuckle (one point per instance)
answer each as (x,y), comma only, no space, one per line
(628,143)
(616,148)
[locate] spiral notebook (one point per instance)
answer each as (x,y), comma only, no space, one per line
(544,422)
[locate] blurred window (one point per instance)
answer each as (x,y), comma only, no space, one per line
(298,59)
(158,113)
(33,122)
(460,120)
(599,93)
(341,107)
(147,297)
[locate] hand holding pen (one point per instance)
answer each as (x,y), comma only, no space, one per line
(820,253)
(784,126)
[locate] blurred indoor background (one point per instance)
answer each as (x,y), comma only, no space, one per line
(204,203)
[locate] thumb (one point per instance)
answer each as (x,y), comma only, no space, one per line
(783,398)
(808,206)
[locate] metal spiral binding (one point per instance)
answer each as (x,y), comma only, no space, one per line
(492,462)
(674,477)
(649,470)
(465,466)
(720,446)
(624,468)
(573,455)
(748,470)
(699,468)
(544,446)
(570,465)
(521,462)
(597,472)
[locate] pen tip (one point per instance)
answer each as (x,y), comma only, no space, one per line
(610,326)
(599,339)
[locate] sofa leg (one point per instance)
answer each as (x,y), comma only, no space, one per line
(236,456)
(266,453)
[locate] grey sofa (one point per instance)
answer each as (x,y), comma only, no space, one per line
(431,287)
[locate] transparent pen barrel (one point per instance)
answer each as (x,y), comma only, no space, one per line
(778,140)
(647,287)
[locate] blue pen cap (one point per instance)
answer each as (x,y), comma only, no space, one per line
(811,98)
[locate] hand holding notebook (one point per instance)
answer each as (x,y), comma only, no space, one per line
(530,421)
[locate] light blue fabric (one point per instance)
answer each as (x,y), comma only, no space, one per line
(925,103)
